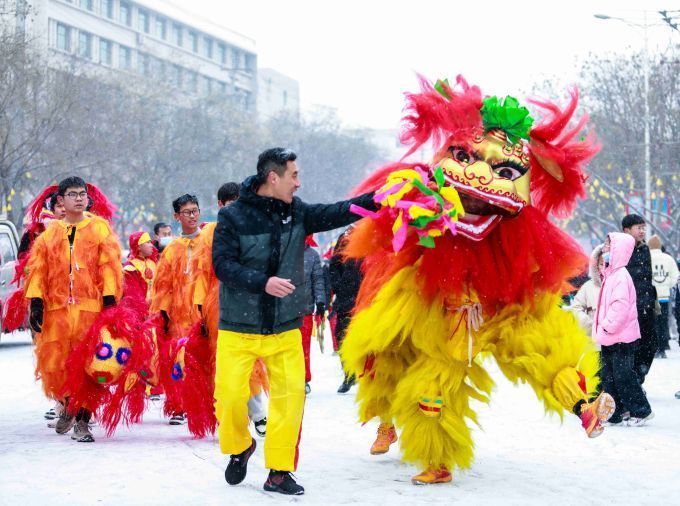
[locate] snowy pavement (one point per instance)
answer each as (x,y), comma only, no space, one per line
(523,457)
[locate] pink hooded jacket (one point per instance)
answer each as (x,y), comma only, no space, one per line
(615,319)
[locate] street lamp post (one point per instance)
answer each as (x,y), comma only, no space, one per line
(646,120)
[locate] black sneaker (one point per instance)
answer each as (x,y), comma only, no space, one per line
(283,483)
(238,465)
(261,427)
(346,385)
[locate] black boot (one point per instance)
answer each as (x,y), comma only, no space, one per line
(238,466)
(346,384)
(283,483)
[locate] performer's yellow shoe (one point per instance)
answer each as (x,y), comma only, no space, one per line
(386,436)
(596,412)
(430,476)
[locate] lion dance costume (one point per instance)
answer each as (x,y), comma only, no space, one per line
(109,371)
(461,262)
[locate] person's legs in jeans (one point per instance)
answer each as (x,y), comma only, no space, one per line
(627,387)
(662,330)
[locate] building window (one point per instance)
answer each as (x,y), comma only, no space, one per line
(221,54)
(236,62)
(206,86)
(143,21)
(124,57)
(177,34)
(176,76)
(222,88)
(125,13)
(250,62)
(207,48)
(156,68)
(85,45)
(192,81)
(193,41)
(106,8)
(87,4)
(105,51)
(160,28)
(143,64)
(63,37)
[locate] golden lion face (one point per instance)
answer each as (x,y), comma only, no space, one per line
(110,359)
(492,178)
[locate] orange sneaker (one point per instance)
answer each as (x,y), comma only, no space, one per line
(430,476)
(596,412)
(386,436)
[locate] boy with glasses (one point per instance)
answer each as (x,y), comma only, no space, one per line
(74,272)
(172,294)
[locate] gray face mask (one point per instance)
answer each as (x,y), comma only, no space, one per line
(164,241)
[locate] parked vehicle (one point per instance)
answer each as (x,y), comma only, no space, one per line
(9,249)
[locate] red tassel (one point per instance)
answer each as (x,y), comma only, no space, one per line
(15,311)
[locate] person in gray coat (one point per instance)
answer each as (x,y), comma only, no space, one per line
(315,294)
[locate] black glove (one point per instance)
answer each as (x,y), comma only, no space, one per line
(35,319)
(109,301)
(320,308)
(166,321)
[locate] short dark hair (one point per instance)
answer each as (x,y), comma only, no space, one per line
(52,201)
(273,159)
(228,192)
(632,219)
(70,182)
(158,226)
(184,200)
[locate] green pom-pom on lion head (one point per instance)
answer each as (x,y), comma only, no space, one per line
(506,115)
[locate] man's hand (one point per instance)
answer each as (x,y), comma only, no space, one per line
(279,287)
(35,319)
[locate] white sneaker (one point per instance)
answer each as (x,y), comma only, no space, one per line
(178,419)
(634,421)
(81,432)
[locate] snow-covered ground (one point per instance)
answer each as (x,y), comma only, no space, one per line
(523,457)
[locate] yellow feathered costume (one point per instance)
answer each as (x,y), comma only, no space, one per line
(459,263)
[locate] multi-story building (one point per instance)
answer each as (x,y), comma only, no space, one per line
(276,93)
(151,38)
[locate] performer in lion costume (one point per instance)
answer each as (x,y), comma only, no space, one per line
(462,262)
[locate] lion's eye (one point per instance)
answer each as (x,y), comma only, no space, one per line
(509,172)
(461,155)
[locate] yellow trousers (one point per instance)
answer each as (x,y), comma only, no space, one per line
(283,357)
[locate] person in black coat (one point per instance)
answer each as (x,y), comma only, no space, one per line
(345,280)
(640,269)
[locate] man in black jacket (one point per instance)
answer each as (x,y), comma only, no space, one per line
(258,251)
(640,269)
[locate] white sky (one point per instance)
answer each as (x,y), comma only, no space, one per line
(361,55)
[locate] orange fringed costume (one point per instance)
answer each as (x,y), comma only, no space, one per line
(173,286)
(173,295)
(72,282)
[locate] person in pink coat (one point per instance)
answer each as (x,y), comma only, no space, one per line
(616,329)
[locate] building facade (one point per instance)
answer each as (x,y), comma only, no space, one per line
(150,38)
(277,93)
